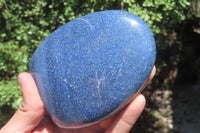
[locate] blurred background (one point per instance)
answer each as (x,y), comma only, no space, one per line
(173,103)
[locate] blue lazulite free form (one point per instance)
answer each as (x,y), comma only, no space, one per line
(91,67)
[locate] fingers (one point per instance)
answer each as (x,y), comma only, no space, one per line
(128,116)
(30,111)
(31,98)
(153,72)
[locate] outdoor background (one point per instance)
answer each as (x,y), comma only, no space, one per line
(173,103)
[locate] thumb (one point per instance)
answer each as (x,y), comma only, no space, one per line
(30,111)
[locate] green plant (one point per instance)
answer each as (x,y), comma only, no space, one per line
(161,15)
(10,98)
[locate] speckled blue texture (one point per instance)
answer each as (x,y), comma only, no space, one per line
(93,66)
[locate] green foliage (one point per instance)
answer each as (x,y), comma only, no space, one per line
(10,98)
(25,24)
(10,94)
(160,15)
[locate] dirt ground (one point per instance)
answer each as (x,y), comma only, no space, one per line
(186,108)
(177,111)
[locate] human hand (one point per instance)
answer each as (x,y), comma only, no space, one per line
(31,116)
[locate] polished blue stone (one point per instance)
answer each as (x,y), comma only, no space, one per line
(91,67)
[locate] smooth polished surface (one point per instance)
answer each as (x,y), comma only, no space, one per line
(93,66)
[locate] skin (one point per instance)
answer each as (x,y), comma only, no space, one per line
(31,116)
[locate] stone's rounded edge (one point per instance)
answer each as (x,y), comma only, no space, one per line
(73,125)
(64,125)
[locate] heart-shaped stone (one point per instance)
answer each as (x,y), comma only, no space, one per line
(91,67)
